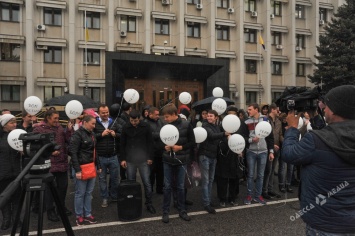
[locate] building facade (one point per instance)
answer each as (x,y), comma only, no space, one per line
(46,51)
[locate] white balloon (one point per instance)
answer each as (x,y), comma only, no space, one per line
(219,105)
(231,123)
(32,105)
(185,98)
(73,109)
(13,140)
(200,134)
(131,96)
(300,123)
(236,143)
(199,124)
(262,129)
(169,134)
(217,92)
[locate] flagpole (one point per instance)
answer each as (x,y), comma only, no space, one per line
(86,55)
(260,85)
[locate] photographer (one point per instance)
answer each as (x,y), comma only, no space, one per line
(328,165)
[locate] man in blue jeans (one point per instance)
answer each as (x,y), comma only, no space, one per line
(259,152)
(107,132)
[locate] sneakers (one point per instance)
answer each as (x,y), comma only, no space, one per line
(165,218)
(222,204)
(260,200)
(273,194)
(233,203)
(79,221)
(104,203)
(247,200)
(266,196)
(183,215)
(210,210)
(90,219)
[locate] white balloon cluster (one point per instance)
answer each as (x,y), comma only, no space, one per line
(236,143)
(219,105)
(131,96)
(169,134)
(262,129)
(217,92)
(13,140)
(32,105)
(185,98)
(231,123)
(200,134)
(73,109)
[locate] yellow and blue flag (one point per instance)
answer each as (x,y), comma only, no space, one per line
(261,41)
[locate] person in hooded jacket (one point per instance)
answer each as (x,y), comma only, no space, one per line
(327,157)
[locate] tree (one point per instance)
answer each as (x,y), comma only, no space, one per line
(336,52)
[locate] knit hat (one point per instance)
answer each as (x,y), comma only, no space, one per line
(4,119)
(341,101)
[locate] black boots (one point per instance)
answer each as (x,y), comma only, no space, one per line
(289,189)
(52,215)
(6,221)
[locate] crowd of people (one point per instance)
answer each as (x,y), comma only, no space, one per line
(119,145)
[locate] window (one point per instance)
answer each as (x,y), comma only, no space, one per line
(322,14)
(250,5)
(92,20)
(276,8)
(52,16)
(222,32)
(161,26)
(193,1)
(93,93)
(276,68)
(222,3)
(193,29)
(128,23)
(53,55)
(9,12)
(10,52)
(300,69)
(250,66)
(300,41)
(93,57)
(250,97)
(52,91)
(276,38)
(300,11)
(250,35)
(275,96)
(10,93)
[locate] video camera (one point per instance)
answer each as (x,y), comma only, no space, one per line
(299,99)
(32,143)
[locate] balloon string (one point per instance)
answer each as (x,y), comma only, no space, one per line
(169,103)
(119,111)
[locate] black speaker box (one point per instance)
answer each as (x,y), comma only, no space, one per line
(129,202)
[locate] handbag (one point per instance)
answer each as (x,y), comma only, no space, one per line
(88,171)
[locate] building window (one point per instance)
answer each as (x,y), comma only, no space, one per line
(93,93)
(10,52)
(250,66)
(300,11)
(92,20)
(53,55)
(9,12)
(93,57)
(52,91)
(276,38)
(222,32)
(300,40)
(250,5)
(300,69)
(52,16)
(322,14)
(161,26)
(275,96)
(222,3)
(250,97)
(276,68)
(250,35)
(193,1)
(128,23)
(276,8)
(10,93)
(193,29)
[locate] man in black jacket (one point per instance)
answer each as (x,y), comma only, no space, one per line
(107,133)
(136,152)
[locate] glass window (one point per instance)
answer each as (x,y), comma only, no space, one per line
(276,68)
(193,29)
(193,1)
(300,11)
(222,3)
(222,32)
(93,93)
(52,16)
(93,57)
(92,20)
(322,14)
(250,66)
(250,5)
(250,35)
(9,12)
(10,92)
(300,69)
(275,96)
(276,38)
(161,26)
(300,40)
(128,23)
(250,97)
(53,55)
(276,8)
(10,52)
(52,91)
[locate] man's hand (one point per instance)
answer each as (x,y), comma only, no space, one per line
(176,148)
(255,140)
(167,148)
(124,164)
(55,153)
(271,156)
(276,148)
(105,132)
(78,175)
(99,171)
(112,132)
(292,120)
(149,162)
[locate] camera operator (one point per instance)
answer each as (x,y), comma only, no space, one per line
(328,165)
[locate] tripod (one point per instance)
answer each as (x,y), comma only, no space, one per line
(38,183)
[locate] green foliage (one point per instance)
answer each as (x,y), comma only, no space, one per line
(336,52)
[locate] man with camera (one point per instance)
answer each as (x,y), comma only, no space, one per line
(327,157)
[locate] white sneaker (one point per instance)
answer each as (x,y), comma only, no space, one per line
(104,203)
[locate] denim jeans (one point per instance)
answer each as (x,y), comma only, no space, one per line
(282,174)
(208,167)
(171,173)
(144,172)
(315,232)
(82,199)
(260,161)
(268,184)
(110,164)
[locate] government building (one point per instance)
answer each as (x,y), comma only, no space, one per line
(161,48)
